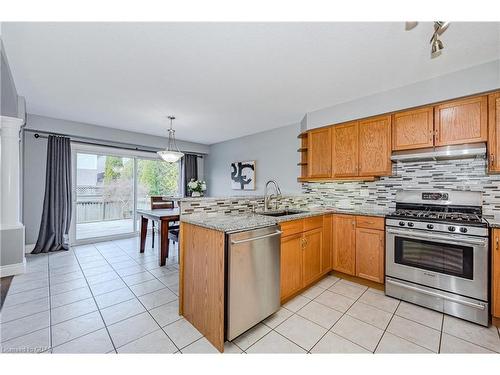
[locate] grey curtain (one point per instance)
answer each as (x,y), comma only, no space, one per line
(190,163)
(56,215)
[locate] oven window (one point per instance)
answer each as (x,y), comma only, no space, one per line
(434,256)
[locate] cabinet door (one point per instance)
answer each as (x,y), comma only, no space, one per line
(312,255)
(461,121)
(344,244)
(291,265)
(374,146)
(413,129)
(345,150)
(326,248)
(494,132)
(495,273)
(319,153)
(370,254)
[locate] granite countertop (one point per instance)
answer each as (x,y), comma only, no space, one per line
(493,220)
(237,222)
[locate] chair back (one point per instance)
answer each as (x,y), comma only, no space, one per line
(161,203)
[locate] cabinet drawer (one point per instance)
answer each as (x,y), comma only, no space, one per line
(370,222)
(292,227)
(313,223)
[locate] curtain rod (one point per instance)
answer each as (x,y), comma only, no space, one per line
(97,142)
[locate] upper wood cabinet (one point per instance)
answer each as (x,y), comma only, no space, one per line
(413,129)
(370,254)
(319,153)
(494,132)
(291,265)
(374,157)
(461,121)
(345,150)
(344,244)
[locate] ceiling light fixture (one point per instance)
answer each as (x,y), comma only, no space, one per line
(436,44)
(172,153)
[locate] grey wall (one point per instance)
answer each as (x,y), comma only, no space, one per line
(8,96)
(275,153)
(35,151)
(469,81)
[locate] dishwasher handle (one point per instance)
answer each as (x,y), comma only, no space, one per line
(278,232)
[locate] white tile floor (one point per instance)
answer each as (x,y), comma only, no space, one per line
(108,298)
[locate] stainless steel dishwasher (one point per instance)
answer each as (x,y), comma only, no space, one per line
(253,274)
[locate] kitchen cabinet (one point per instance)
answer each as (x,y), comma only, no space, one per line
(370,254)
(494,132)
(344,244)
(413,129)
(326,248)
(319,153)
(291,264)
(461,121)
(345,150)
(374,141)
(312,241)
(302,254)
(495,275)
(359,246)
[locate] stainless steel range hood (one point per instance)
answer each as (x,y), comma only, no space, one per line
(441,153)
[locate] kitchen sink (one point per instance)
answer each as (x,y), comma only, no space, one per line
(277,213)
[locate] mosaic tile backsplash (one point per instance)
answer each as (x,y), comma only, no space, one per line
(462,174)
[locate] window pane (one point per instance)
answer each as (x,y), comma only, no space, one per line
(156,177)
(104,195)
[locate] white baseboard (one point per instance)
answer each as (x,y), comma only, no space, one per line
(13,269)
(29,248)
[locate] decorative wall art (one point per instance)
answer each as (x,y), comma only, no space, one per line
(243,175)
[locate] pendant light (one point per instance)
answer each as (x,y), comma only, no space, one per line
(172,153)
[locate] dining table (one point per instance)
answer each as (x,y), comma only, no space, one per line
(163,217)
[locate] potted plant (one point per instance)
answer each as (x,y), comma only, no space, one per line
(197,187)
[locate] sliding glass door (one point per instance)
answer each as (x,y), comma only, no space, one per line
(109,185)
(104,195)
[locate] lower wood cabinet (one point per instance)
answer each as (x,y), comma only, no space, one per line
(312,255)
(495,274)
(305,253)
(359,246)
(344,244)
(291,265)
(370,254)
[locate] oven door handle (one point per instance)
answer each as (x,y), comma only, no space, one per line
(450,239)
(439,295)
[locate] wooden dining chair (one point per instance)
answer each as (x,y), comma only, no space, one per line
(159,202)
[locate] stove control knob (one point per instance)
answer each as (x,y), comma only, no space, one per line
(463,230)
(430,226)
(401,223)
(410,224)
(452,229)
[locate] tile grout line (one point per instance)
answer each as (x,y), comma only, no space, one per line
(99,311)
(50,304)
(344,313)
(387,326)
(441,335)
(152,317)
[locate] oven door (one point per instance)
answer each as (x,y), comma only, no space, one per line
(453,263)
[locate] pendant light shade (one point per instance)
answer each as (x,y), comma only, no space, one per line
(172,154)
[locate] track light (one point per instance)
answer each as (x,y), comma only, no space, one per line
(436,47)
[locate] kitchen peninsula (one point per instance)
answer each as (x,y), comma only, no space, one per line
(313,243)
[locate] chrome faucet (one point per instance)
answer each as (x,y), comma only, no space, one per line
(267,197)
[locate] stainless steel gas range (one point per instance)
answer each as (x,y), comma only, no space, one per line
(437,252)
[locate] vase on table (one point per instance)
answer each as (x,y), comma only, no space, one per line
(195,194)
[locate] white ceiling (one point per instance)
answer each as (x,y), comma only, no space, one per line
(223,80)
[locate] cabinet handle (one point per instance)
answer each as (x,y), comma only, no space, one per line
(496,243)
(492,159)
(353,224)
(431,135)
(437,135)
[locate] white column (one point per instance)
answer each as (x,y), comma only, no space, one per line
(9,172)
